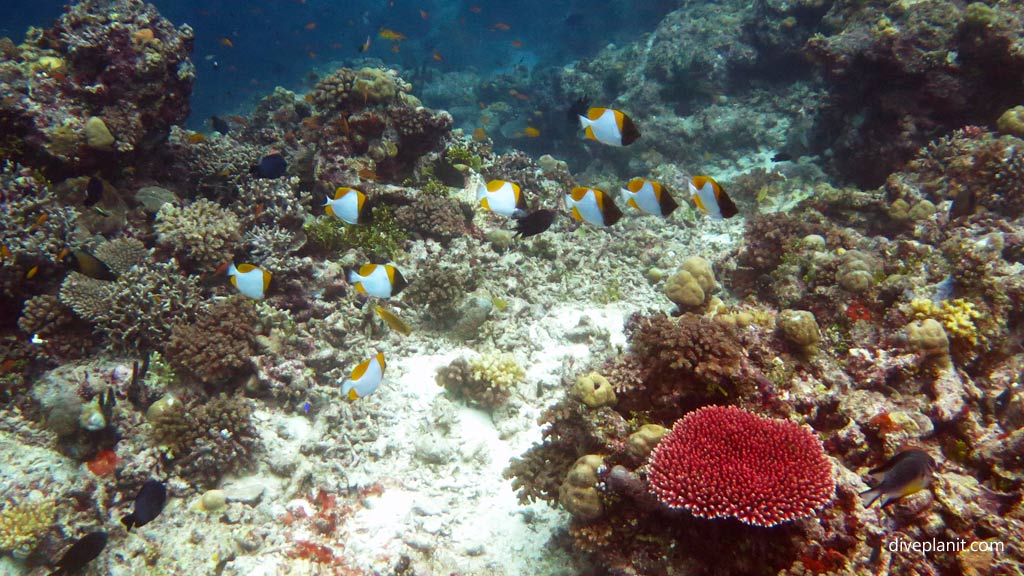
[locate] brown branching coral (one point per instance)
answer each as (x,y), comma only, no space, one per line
(120,254)
(538,473)
(217,347)
(683,363)
(437,292)
(138,310)
(435,217)
(206,440)
(202,233)
(63,336)
(970,160)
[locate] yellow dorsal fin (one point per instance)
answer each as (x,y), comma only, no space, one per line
(243,268)
(360,370)
(495,185)
(635,184)
(367,269)
(577,194)
(595,113)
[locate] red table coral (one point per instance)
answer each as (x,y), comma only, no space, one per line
(722,461)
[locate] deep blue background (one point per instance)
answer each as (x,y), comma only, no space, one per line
(287,42)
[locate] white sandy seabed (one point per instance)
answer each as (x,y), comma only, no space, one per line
(444,502)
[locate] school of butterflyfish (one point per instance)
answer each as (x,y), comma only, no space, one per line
(503,198)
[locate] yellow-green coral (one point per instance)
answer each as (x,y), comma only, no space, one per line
(383,237)
(23,524)
(463,155)
(957,316)
(578,494)
(499,369)
(595,390)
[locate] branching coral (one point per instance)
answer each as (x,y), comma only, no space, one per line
(437,291)
(217,347)
(957,316)
(138,310)
(63,336)
(202,233)
(120,254)
(436,217)
(33,228)
(969,160)
(538,474)
(206,440)
(683,363)
(485,380)
(23,523)
(273,247)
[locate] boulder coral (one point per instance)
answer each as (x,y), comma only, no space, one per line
(578,494)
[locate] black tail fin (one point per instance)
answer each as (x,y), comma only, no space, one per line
(578,108)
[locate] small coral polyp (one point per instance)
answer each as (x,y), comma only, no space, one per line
(722,461)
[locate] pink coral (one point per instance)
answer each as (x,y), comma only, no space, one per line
(722,461)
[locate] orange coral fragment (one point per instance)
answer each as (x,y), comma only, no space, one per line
(104,463)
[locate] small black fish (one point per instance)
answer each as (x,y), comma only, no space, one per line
(93,191)
(85,263)
(574,19)
(782,157)
(271,166)
(83,551)
(448,174)
(578,108)
(149,502)
(220,125)
(534,223)
(964,204)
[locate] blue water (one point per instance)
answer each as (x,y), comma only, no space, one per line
(292,43)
